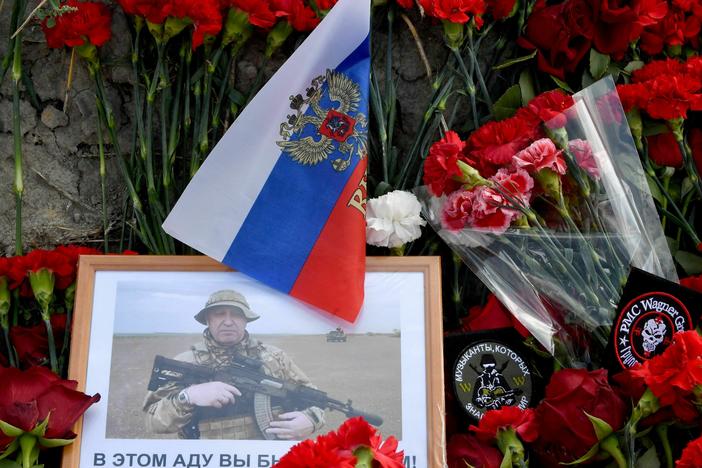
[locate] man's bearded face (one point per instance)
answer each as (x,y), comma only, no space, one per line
(227,325)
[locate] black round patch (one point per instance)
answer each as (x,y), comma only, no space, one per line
(489,375)
(646,325)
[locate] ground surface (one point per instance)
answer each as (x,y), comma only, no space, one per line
(365,369)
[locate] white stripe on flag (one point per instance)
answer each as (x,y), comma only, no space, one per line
(215,203)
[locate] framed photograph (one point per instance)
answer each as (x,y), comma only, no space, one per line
(197,363)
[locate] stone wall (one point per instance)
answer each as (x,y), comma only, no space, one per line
(62,201)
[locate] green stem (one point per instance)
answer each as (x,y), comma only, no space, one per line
(8,344)
(223,89)
(52,344)
(103,183)
(17,139)
(611,446)
(481,79)
(470,86)
(662,431)
(690,165)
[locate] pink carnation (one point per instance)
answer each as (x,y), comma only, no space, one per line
(517,182)
(492,211)
(542,154)
(458,209)
(582,151)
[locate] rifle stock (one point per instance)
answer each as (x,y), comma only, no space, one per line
(248,377)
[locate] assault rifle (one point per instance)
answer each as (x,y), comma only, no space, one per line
(247,375)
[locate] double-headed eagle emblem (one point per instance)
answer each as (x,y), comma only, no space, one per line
(326,123)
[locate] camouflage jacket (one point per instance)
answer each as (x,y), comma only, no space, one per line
(165,414)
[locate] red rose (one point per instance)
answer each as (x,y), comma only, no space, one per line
(674,375)
(691,455)
(582,151)
(501,9)
(521,421)
(670,31)
(694,139)
(491,316)
(495,143)
(88,23)
(663,150)
(568,433)
(457,210)
(560,33)
(465,450)
(32,343)
(441,165)
(619,23)
(542,154)
(28,397)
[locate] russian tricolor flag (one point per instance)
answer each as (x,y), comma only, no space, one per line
(282,196)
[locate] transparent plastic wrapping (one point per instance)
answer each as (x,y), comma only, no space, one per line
(560,267)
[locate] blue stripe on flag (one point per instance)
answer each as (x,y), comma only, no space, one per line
(293,206)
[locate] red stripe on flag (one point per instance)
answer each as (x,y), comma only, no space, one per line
(333,275)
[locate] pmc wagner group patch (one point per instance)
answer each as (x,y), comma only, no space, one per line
(488,375)
(651,310)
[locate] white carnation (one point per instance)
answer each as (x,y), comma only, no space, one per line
(393,219)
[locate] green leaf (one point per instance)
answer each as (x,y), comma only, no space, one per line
(598,64)
(602,427)
(587,79)
(40,429)
(673,244)
(687,185)
(561,84)
(515,61)
(9,464)
(382,188)
(508,103)
(526,86)
(649,459)
(614,70)
(691,263)
(9,450)
(9,430)
(655,190)
(633,66)
(588,455)
(51,443)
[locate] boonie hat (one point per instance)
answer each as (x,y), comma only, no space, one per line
(226,297)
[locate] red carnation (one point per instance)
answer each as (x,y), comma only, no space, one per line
(674,375)
(406,3)
(692,282)
(300,16)
(571,395)
(260,13)
(691,455)
(542,154)
(507,417)
(491,316)
(561,34)
(310,454)
(455,11)
(29,397)
(550,107)
(466,450)
(663,150)
(63,269)
(441,165)
(207,20)
(657,68)
(87,23)
(495,143)
(516,182)
(73,252)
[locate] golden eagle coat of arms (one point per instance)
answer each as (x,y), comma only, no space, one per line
(326,123)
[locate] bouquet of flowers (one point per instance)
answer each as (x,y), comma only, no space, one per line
(550,208)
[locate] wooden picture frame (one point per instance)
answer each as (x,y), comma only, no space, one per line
(130,307)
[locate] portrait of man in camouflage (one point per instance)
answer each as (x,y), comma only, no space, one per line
(220,410)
